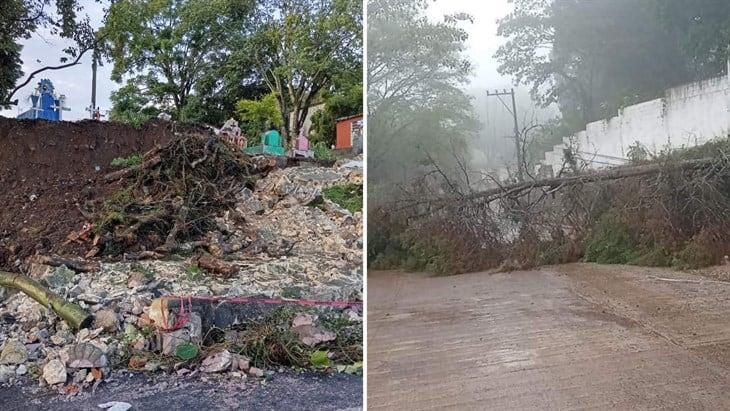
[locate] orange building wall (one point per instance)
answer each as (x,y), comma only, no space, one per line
(343,134)
(344,129)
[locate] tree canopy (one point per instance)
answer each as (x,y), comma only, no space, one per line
(300,46)
(168,47)
(594,57)
(19,19)
(198,59)
(417,111)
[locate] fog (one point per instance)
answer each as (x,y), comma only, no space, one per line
(493,145)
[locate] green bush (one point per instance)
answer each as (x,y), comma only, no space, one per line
(610,242)
(322,152)
(656,256)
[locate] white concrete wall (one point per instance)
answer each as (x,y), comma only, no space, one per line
(687,115)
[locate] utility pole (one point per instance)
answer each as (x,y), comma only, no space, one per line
(93,112)
(93,85)
(518,145)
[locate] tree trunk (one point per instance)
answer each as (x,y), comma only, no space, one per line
(603,175)
(75,316)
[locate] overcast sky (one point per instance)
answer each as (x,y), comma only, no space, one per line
(496,122)
(74,82)
(483,40)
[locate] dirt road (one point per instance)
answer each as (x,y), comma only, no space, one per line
(569,337)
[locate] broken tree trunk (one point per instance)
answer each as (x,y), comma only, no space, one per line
(149,160)
(75,316)
(616,173)
(604,175)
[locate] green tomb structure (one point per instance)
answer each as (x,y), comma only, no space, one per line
(270,144)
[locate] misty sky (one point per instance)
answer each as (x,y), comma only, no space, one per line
(74,82)
(496,122)
(483,39)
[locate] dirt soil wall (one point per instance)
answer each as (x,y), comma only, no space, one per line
(49,169)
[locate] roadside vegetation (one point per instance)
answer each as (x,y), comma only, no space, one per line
(673,218)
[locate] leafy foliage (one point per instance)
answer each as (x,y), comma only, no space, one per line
(595,57)
(257,115)
(299,46)
(130,105)
(611,242)
(319,359)
(169,46)
(322,152)
(187,351)
(132,160)
(418,115)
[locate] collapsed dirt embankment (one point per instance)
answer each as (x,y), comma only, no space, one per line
(48,170)
(181,232)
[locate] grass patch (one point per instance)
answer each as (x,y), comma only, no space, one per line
(272,341)
(348,196)
(124,162)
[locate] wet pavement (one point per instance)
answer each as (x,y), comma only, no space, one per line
(569,337)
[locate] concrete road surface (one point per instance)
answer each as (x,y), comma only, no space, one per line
(569,337)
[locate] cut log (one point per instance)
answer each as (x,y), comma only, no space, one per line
(75,316)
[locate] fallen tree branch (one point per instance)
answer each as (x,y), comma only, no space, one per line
(616,173)
(75,316)
(126,172)
(604,175)
(75,264)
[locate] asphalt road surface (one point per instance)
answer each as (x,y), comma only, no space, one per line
(569,337)
(286,391)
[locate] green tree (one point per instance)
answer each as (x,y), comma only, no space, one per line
(418,114)
(131,105)
(256,115)
(344,101)
(21,18)
(171,46)
(594,57)
(299,46)
(702,29)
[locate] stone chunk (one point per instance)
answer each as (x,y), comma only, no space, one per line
(14,352)
(217,362)
(54,372)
